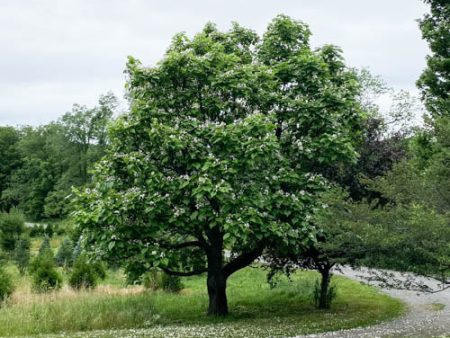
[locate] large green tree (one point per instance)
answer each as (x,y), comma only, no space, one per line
(10,161)
(85,128)
(414,231)
(218,157)
(435,79)
(39,170)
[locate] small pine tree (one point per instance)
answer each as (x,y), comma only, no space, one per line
(64,255)
(49,230)
(45,276)
(12,225)
(45,249)
(22,254)
(83,275)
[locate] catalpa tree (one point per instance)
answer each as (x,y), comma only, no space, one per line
(215,160)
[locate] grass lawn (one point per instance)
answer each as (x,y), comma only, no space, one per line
(256,310)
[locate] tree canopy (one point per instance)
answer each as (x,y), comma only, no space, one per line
(218,157)
(435,79)
(41,164)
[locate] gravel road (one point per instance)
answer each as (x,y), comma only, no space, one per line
(428,314)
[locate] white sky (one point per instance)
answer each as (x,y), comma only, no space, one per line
(56,53)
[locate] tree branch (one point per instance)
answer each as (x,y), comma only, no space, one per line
(184,274)
(242,261)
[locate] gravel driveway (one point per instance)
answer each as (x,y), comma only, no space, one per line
(428,315)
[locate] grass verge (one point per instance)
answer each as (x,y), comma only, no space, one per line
(256,310)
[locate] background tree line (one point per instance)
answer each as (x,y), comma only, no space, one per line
(39,165)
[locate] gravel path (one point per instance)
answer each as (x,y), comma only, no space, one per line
(428,314)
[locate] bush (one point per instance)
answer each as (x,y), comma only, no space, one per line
(100,269)
(6,285)
(155,280)
(12,225)
(22,254)
(171,283)
(86,274)
(152,280)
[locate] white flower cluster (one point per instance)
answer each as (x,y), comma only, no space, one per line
(177,211)
(200,204)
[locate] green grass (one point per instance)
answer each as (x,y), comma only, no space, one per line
(256,310)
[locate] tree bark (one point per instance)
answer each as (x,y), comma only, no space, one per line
(217,285)
(324,302)
(217,280)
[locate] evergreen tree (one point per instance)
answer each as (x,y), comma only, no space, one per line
(22,254)
(45,248)
(65,252)
(12,225)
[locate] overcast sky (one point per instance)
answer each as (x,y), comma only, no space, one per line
(56,53)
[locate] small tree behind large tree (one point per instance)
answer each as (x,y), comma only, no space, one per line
(219,153)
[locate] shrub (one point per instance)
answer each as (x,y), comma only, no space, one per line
(45,276)
(85,274)
(155,280)
(152,280)
(12,225)
(65,252)
(100,269)
(6,285)
(22,254)
(171,283)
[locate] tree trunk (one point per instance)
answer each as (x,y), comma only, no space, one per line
(217,285)
(324,301)
(217,280)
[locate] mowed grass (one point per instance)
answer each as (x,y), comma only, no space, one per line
(256,310)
